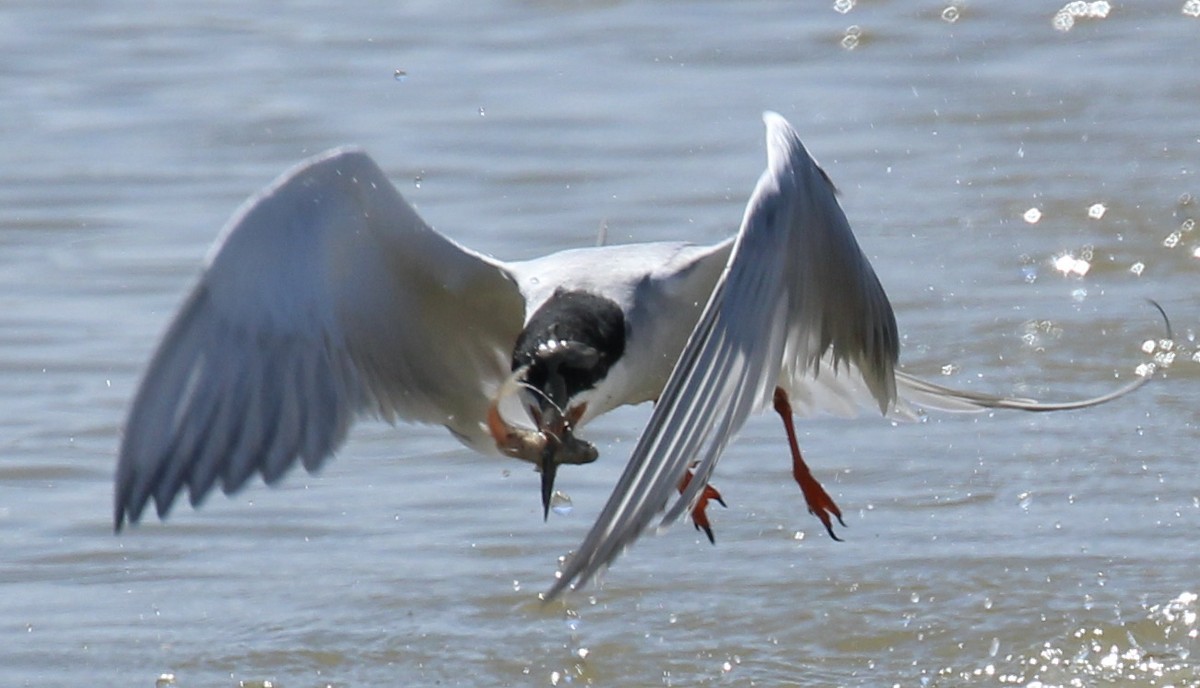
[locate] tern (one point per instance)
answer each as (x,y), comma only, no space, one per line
(326,298)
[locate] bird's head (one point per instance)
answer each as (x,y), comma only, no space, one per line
(566,349)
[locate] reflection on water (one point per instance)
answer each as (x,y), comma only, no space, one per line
(1020,189)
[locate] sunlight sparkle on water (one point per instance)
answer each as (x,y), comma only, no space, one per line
(1064,19)
(843,6)
(950,14)
(1097,210)
(1068,264)
(1191,8)
(1032,215)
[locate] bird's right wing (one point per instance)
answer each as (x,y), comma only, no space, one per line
(325,296)
(797,291)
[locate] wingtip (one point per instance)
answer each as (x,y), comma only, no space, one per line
(772,118)
(782,139)
(775,124)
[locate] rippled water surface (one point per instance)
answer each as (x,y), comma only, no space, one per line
(1021,189)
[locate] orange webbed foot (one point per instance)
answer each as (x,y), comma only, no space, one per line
(699,516)
(820,504)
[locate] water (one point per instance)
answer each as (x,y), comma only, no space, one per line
(994,550)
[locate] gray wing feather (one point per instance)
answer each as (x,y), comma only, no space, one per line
(325,296)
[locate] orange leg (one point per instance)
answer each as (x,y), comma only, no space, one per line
(699,517)
(820,504)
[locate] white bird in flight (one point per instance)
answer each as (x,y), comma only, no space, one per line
(326,297)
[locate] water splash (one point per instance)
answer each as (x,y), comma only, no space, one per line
(1157,650)
(400,75)
(1191,8)
(843,6)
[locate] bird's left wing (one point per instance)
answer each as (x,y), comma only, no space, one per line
(797,289)
(326,296)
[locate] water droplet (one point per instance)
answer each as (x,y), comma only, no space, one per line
(914,598)
(950,14)
(1149,346)
(727,667)
(1097,210)
(400,75)
(995,647)
(482,113)
(164,680)
(1137,268)
(555,677)
(560,503)
(1172,239)
(949,369)
(516,585)
(850,40)
(987,603)
(417,181)
(1079,294)
(1024,500)
(1191,8)
(1032,216)
(1063,21)
(843,6)
(1029,273)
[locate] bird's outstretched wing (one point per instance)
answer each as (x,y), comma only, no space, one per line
(797,290)
(325,296)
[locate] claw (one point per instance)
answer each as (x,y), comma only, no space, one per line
(820,504)
(699,517)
